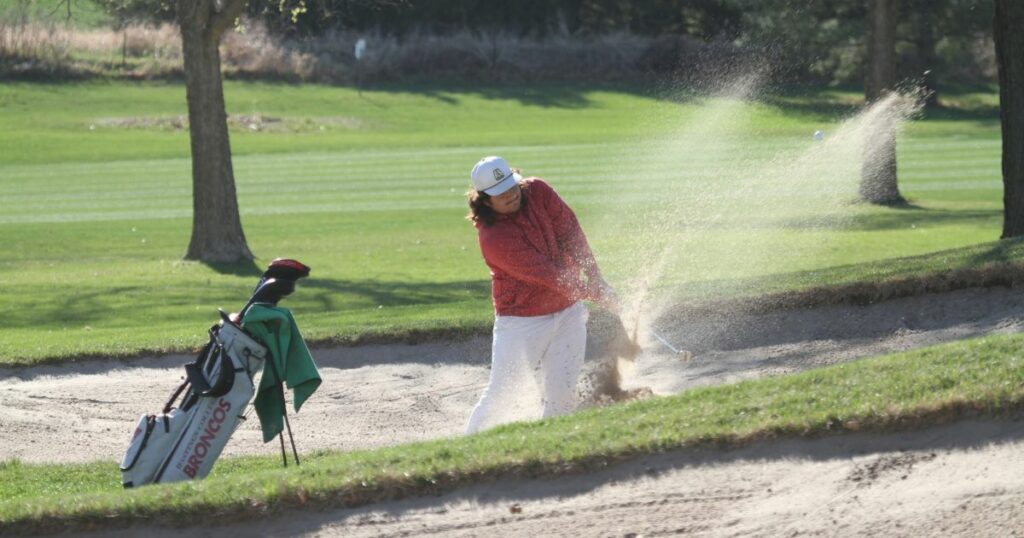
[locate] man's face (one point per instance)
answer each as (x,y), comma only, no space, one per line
(507,202)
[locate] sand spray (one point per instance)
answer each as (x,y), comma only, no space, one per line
(725,201)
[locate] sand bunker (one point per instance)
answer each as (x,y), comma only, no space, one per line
(964,479)
(389,394)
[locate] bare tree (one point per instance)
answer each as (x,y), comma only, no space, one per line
(217,235)
(1008,22)
(878,170)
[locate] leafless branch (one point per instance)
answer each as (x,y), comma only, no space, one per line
(66,4)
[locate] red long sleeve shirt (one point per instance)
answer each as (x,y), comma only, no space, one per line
(539,258)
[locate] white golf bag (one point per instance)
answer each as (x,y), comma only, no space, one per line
(183,442)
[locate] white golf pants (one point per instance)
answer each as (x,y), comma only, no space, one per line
(549,349)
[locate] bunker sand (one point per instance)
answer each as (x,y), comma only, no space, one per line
(964,479)
(381,395)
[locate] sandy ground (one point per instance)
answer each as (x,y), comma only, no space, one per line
(388,394)
(965,480)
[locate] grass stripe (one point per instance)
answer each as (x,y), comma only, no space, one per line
(737,189)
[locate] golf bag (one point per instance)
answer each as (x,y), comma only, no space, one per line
(183,441)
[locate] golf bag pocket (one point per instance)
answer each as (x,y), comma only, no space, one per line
(150,443)
(184,441)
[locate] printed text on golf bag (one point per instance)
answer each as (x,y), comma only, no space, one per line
(183,442)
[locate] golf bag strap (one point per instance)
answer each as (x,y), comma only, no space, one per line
(174,396)
(203,356)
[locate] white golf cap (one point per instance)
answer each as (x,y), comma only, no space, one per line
(493,176)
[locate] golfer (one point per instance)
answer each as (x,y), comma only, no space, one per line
(541,269)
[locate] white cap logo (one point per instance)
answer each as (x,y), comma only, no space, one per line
(493,176)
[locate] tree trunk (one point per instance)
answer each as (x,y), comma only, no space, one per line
(1009,20)
(878,170)
(217,235)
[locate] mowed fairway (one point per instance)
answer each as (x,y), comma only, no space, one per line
(367,188)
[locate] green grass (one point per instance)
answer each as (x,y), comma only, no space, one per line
(72,122)
(76,13)
(975,377)
(984,264)
(680,198)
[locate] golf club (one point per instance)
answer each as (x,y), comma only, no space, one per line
(276,282)
(286,269)
(673,349)
(269,291)
(664,342)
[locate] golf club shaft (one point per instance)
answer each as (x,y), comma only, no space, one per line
(664,342)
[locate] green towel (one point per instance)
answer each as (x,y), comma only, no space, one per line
(276,328)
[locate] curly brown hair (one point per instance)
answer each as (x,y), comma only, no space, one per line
(479,211)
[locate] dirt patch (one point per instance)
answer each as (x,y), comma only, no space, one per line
(380,395)
(901,464)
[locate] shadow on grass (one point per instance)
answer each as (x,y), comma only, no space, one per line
(821,108)
(981,113)
(812,107)
(353,300)
(902,217)
(127,307)
(246,268)
(567,96)
(917,217)
(1006,250)
(105,306)
(373,293)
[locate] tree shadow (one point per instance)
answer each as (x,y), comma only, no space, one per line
(440,95)
(564,96)
(372,293)
(244,268)
(899,203)
(919,217)
(567,97)
(372,102)
(903,217)
(1004,251)
(812,107)
(980,113)
(103,306)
